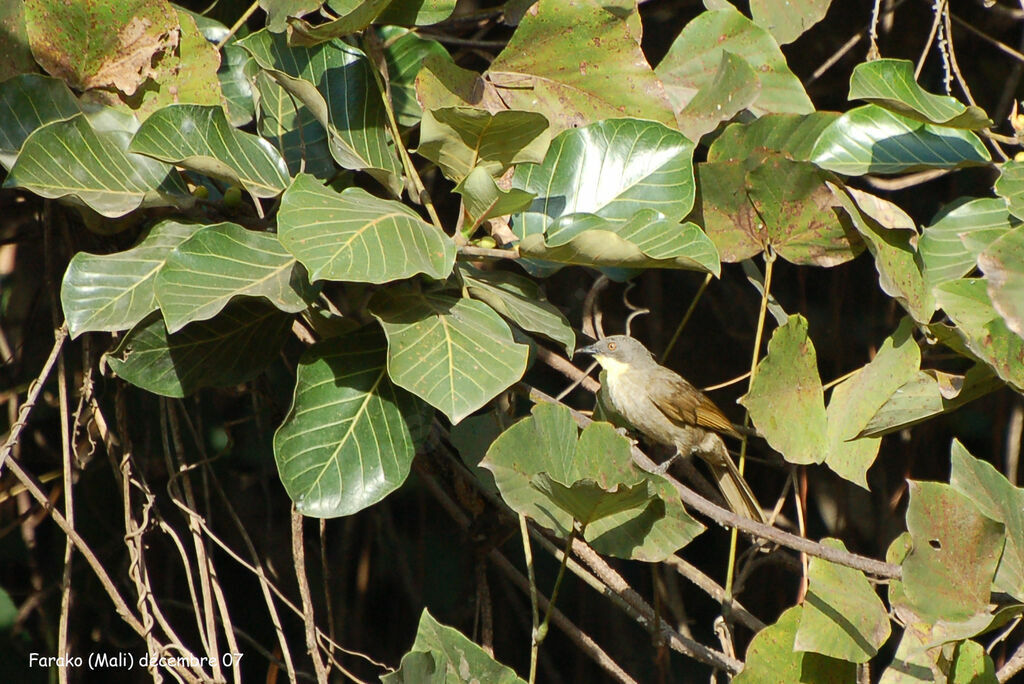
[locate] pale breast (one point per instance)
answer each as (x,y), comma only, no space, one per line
(628,394)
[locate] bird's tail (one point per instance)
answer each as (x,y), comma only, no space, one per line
(735,489)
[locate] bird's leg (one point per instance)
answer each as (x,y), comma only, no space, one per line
(625,433)
(663,467)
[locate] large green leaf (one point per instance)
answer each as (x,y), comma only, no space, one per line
(483,199)
(235,85)
(115,291)
(335,81)
(1003,264)
(520,300)
(350,435)
(92,165)
(417,13)
(696,54)
(890,83)
(786,401)
(456,354)
(890,236)
(843,616)
(792,135)
(443,83)
(459,139)
(771,200)
(999,500)
(293,130)
(733,88)
(856,400)
(14,42)
(29,101)
(944,244)
(352,18)
(646,240)
(613,169)
(103,43)
(223,261)
(967,303)
(948,573)
(771,657)
(201,139)
(1010,186)
(354,236)
(788,19)
(223,351)
(577,63)
(546,443)
(870,139)
(279,11)
(442,654)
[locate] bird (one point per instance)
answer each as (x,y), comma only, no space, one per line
(664,407)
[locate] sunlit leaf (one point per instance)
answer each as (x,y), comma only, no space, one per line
(890,83)
(355,236)
(483,199)
(201,139)
(786,401)
(792,135)
(93,166)
(733,88)
(405,54)
(108,292)
(220,352)
(695,56)
(944,243)
(418,13)
(350,435)
(870,139)
(577,63)
(223,261)
(454,353)
(788,19)
(293,130)
(1010,186)
(351,18)
(772,658)
(28,102)
(1003,265)
(235,86)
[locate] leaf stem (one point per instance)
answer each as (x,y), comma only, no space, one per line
(528,553)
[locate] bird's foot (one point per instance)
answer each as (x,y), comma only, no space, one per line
(663,468)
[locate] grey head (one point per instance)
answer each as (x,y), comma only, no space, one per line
(619,350)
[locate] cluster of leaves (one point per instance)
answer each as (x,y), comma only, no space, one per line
(568,150)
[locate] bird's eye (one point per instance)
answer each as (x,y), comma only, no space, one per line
(612,346)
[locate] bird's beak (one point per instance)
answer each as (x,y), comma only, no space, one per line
(589,349)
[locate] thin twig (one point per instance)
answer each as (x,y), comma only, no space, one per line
(299,558)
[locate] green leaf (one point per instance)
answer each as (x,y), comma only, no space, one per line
(459,139)
(733,88)
(1010,186)
(520,300)
(223,351)
(949,571)
(14,42)
(1003,264)
(981,327)
(546,442)
(930,393)
(201,139)
(235,85)
(354,236)
(793,135)
(890,83)
(30,101)
(442,83)
(771,657)
(350,435)
(944,244)
(843,617)
(647,240)
(293,130)
(442,654)
(788,19)
(694,58)
(751,204)
(999,500)
(223,261)
(890,236)
(335,81)
(972,665)
(578,63)
(587,501)
(418,13)
(870,139)
(278,11)
(352,18)
(786,401)
(405,54)
(455,354)
(92,165)
(856,400)
(103,43)
(613,169)
(108,292)
(483,199)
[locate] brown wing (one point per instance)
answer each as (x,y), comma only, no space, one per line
(684,403)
